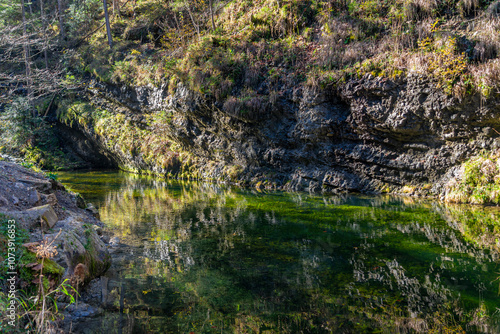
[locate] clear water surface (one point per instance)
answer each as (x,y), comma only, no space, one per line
(203,258)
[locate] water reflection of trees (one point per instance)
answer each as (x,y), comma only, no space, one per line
(300,263)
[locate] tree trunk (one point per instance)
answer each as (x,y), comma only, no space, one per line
(116,7)
(61,20)
(212,14)
(194,23)
(44,28)
(27,60)
(108,28)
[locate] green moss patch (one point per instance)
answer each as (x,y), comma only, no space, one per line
(479,182)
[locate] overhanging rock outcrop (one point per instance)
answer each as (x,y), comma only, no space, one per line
(370,135)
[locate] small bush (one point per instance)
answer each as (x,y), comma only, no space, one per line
(444,63)
(479,182)
(249,106)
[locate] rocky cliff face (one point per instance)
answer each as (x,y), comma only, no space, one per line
(371,135)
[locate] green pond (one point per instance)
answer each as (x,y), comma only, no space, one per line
(205,258)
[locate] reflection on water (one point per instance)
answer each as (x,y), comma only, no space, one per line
(200,258)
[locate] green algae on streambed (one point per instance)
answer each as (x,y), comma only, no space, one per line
(204,258)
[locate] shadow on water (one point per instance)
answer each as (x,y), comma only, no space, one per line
(201,258)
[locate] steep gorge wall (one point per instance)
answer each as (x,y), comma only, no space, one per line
(371,135)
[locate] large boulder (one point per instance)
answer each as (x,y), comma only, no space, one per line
(81,250)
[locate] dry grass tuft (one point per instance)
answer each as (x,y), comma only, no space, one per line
(486,34)
(493,10)
(486,77)
(417,10)
(416,63)
(468,7)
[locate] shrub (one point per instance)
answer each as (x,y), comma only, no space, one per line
(479,182)
(444,64)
